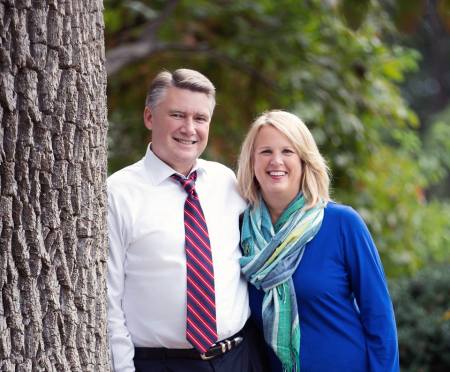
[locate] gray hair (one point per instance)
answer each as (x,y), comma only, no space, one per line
(182,78)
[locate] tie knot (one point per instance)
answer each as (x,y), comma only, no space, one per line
(187,183)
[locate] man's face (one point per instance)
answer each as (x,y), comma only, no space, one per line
(180,127)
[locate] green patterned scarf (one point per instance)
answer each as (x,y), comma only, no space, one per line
(271,255)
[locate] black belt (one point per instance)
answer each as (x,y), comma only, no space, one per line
(219,348)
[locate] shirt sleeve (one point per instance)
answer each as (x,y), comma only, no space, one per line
(371,293)
(121,345)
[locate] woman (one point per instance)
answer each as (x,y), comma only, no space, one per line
(319,287)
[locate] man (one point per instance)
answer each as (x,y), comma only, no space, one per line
(177,301)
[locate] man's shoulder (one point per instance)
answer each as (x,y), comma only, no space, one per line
(127,175)
(218,169)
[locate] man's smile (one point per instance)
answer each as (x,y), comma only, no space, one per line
(184,141)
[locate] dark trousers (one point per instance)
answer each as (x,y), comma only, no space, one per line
(248,356)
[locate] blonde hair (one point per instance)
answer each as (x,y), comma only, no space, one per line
(182,78)
(315,180)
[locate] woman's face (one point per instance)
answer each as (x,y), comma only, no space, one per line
(277,166)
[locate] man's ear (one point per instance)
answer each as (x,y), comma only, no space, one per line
(148,117)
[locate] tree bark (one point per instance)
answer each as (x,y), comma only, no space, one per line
(53,243)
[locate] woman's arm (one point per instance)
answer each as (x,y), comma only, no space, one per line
(369,287)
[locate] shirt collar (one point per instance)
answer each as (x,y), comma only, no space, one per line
(159,171)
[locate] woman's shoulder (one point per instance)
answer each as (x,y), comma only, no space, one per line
(338,209)
(342,213)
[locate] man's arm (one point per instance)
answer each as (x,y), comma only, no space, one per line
(122,348)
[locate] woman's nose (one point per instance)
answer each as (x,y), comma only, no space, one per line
(275,159)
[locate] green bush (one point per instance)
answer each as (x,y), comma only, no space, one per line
(422,309)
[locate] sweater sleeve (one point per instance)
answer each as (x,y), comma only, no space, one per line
(369,286)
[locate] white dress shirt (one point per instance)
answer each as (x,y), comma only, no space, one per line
(147,263)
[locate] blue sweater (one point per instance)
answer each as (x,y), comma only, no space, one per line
(347,321)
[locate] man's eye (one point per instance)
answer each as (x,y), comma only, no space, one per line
(176,115)
(201,119)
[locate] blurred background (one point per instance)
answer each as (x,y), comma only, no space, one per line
(371,79)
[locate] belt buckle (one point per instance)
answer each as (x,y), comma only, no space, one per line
(217,349)
(206,357)
(223,347)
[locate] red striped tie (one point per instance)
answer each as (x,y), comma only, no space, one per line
(201,330)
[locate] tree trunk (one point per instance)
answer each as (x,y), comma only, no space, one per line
(53,170)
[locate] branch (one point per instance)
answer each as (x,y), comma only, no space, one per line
(123,55)
(119,57)
(132,52)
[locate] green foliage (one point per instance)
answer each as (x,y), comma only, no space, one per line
(122,17)
(354,12)
(433,232)
(435,161)
(422,309)
(300,56)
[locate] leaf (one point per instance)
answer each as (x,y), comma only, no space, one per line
(354,12)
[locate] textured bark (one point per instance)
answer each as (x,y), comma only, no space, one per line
(53,243)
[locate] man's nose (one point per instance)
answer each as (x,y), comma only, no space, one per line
(189,126)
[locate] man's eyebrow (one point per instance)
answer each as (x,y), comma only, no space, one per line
(203,114)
